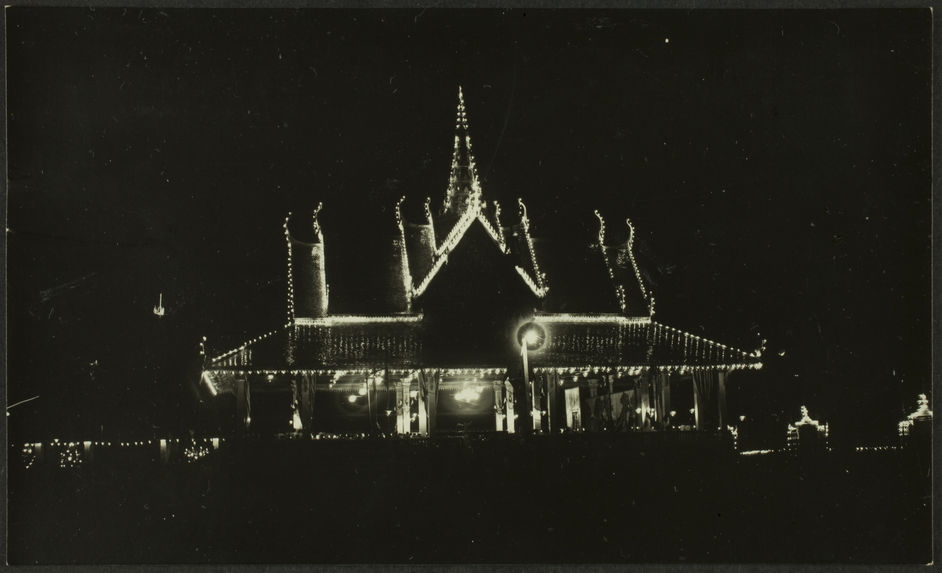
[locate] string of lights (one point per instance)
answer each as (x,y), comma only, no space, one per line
(590,319)
(525,224)
(290,271)
(431,222)
(634,265)
(337,319)
(403,253)
(498,223)
(619,289)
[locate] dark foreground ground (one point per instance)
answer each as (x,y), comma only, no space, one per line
(552,499)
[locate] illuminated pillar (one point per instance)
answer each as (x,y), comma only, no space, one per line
(551,389)
(432,385)
(307,389)
(498,409)
(243,402)
(645,401)
(403,407)
(536,386)
(696,402)
(423,414)
(509,400)
(665,397)
(573,404)
(531,400)
(656,398)
(721,399)
(699,413)
(610,379)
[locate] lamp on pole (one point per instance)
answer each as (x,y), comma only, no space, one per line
(531,336)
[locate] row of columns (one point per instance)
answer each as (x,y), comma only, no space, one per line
(545,397)
(652,399)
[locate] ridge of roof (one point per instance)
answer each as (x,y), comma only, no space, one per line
(525,223)
(619,289)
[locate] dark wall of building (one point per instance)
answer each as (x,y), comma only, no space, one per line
(395,286)
(475,304)
(420,244)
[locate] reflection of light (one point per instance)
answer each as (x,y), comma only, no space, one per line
(691,410)
(469,393)
(296,421)
(673,413)
(352,398)
(270,377)
(637,410)
(742,418)
(362,391)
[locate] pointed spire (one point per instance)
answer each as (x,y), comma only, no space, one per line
(464,189)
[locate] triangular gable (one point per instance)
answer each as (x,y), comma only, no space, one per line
(471,215)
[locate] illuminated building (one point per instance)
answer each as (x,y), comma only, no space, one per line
(439,346)
(807,434)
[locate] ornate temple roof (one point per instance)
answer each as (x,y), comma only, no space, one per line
(587,290)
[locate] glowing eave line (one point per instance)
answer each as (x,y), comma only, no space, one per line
(590,319)
(539,292)
(689,335)
(490,231)
(638,368)
(457,232)
(245,345)
(357,319)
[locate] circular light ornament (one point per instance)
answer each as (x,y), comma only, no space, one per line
(532,335)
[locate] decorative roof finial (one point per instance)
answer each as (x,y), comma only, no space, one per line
(922,409)
(317,225)
(399,213)
(601,228)
(428,210)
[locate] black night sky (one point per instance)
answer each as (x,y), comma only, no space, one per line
(775,163)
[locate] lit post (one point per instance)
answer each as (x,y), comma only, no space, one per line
(531,337)
(528,388)
(370,386)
